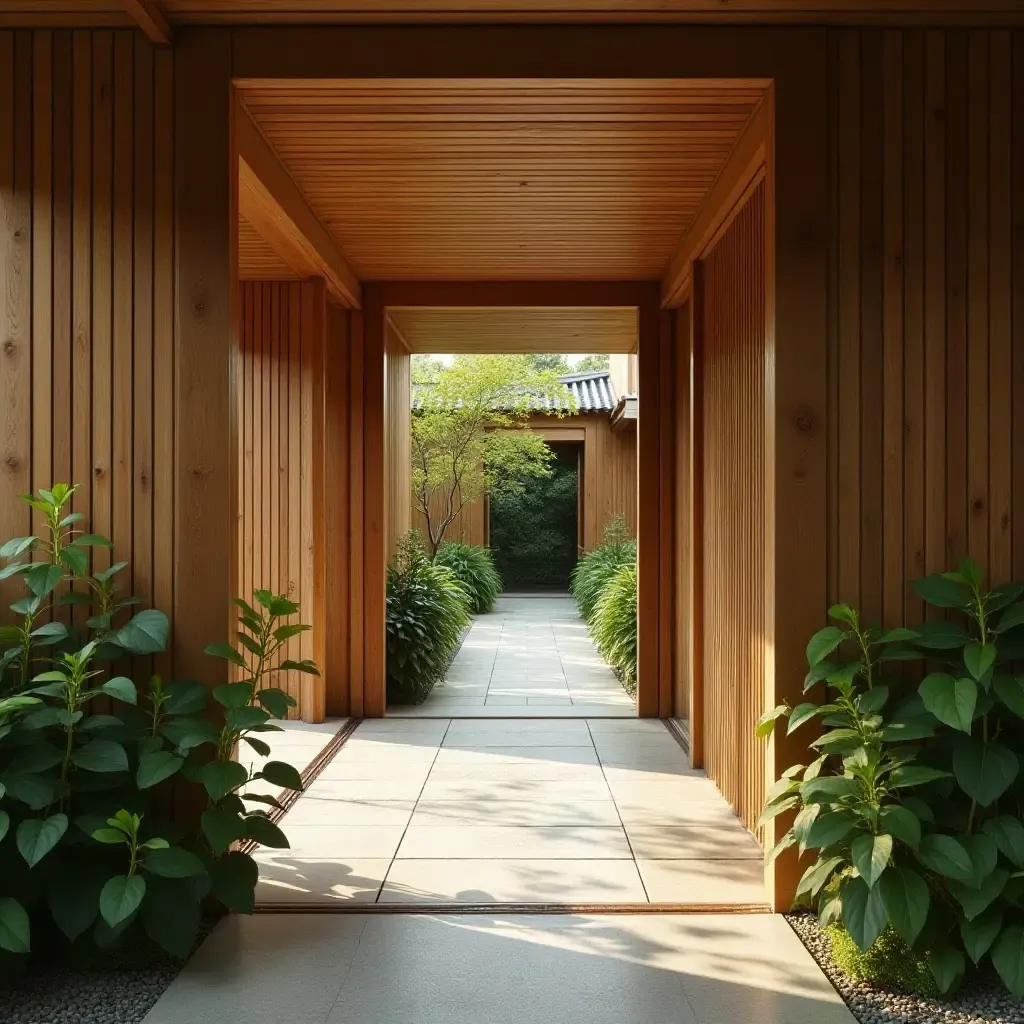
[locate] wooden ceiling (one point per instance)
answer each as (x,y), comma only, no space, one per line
(116,12)
(497,329)
(469,180)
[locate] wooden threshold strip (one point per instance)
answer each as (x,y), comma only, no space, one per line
(352,907)
(288,797)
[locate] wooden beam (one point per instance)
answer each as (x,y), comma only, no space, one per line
(271,201)
(745,161)
(148,16)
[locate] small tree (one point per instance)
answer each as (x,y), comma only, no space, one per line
(470,435)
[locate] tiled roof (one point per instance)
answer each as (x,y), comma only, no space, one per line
(592,390)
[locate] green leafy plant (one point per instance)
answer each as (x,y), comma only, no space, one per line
(913,804)
(427,609)
(474,568)
(595,569)
(614,624)
(82,752)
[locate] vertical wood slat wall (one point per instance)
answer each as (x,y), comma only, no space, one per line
(398,436)
(926,334)
(734,542)
(279,405)
(87,291)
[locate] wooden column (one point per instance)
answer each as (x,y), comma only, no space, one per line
(205,343)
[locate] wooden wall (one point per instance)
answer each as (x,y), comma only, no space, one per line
(926,300)
(398,436)
(732,361)
(87,355)
(280,404)
(682,674)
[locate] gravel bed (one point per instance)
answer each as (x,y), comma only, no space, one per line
(981,999)
(86,997)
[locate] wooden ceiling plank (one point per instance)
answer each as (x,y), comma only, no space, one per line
(275,206)
(148,16)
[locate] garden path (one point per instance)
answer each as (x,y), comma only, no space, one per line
(437,812)
(529,657)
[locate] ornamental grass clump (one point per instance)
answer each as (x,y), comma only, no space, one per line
(84,750)
(427,610)
(595,570)
(913,805)
(614,624)
(474,568)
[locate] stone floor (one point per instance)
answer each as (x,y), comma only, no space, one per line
(529,657)
(497,969)
(501,811)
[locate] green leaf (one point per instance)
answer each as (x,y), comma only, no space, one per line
(306,666)
(121,897)
(828,828)
(979,658)
(14,926)
(38,836)
(170,915)
(800,714)
(906,898)
(1012,617)
(101,756)
(829,788)
(820,672)
(941,635)
(984,770)
(156,767)
(222,777)
(122,688)
(864,914)
(108,835)
(870,856)
(173,862)
(42,578)
(144,633)
(36,791)
(1010,690)
(18,546)
(227,652)
(241,719)
(278,773)
(76,560)
(775,808)
(873,700)
(184,698)
(897,636)
(902,823)
(222,827)
(92,540)
(802,823)
(265,832)
(276,701)
(766,723)
(975,901)
(783,844)
(286,632)
(817,875)
(947,966)
(984,854)
(946,856)
(261,748)
(843,613)
(1008,959)
(951,701)
(233,695)
(941,592)
(914,775)
(1008,834)
(5,824)
(234,879)
(980,933)
(49,633)
(823,643)
(74,897)
(971,571)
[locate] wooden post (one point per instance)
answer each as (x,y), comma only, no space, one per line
(205,342)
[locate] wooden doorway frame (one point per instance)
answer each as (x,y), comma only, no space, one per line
(645,297)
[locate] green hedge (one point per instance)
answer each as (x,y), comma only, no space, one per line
(427,609)
(474,568)
(614,624)
(595,570)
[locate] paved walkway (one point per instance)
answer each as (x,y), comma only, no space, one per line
(529,657)
(498,811)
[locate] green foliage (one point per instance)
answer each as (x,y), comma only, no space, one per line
(533,531)
(470,435)
(474,568)
(913,805)
(595,569)
(427,609)
(81,837)
(592,362)
(887,962)
(614,624)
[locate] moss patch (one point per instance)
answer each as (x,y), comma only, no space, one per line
(889,962)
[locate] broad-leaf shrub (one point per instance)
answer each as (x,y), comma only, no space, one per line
(427,609)
(594,570)
(81,838)
(614,624)
(913,805)
(474,568)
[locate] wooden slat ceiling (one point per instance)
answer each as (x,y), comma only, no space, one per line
(111,12)
(444,179)
(257,261)
(466,329)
